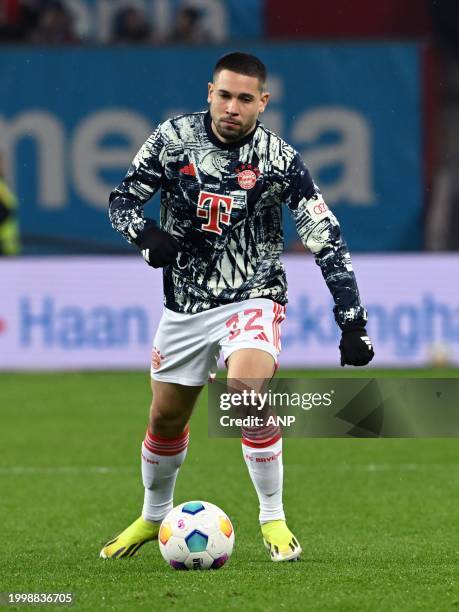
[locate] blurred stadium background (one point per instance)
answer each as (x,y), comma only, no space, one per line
(369,95)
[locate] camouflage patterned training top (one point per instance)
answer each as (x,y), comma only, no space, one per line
(223,204)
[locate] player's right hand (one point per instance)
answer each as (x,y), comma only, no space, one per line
(158,248)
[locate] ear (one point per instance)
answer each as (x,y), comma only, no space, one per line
(210,90)
(263,101)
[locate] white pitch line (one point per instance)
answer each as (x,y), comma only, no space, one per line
(374,467)
(355,467)
(63,469)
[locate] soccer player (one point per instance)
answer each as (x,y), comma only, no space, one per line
(224,178)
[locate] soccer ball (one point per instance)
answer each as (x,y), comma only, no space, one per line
(196,535)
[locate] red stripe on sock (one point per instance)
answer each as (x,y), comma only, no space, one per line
(185,433)
(165,451)
(166,446)
(261,443)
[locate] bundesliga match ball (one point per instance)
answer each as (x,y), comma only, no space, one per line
(196,535)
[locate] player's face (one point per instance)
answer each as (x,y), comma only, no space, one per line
(235,101)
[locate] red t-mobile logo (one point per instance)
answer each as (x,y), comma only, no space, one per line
(216,209)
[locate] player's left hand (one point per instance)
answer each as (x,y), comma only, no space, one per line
(356,347)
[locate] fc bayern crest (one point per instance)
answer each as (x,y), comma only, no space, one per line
(156,358)
(247,176)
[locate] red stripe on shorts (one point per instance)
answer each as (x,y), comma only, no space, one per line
(279,316)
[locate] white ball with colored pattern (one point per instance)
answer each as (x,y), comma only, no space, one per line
(196,535)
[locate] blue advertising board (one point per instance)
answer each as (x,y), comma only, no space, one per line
(71,120)
(101,312)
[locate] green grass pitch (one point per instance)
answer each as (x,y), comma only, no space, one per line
(377,519)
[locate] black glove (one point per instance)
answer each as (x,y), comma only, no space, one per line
(158,248)
(356,347)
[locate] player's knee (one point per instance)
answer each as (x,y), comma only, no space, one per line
(166,424)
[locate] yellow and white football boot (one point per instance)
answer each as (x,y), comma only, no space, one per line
(280,541)
(128,542)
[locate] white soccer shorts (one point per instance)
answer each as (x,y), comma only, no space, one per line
(186,347)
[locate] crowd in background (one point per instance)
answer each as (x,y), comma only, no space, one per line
(55,23)
(52,22)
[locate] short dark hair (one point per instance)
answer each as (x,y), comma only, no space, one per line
(242,63)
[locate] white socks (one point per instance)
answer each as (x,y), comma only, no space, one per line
(161,459)
(264,462)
